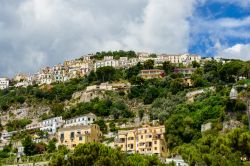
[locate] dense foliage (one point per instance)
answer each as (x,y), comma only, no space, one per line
(14,125)
(98,154)
(223,150)
(115,54)
(163,99)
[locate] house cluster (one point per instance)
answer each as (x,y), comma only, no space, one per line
(81,67)
(143,139)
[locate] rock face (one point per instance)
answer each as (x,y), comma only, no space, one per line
(29,112)
(232,124)
(205,127)
(95,91)
(83,96)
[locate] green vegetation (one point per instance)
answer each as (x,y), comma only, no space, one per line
(225,149)
(17,124)
(162,99)
(98,154)
(115,54)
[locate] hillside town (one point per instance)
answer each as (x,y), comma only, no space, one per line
(132,127)
(83,66)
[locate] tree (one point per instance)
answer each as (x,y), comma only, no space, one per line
(103,127)
(93,154)
(133,71)
(197,80)
(152,55)
(57,109)
(51,147)
(29,146)
(195,64)
(151,94)
(112,127)
(148,64)
(176,85)
(141,113)
(40,148)
(17,124)
(105,74)
(168,67)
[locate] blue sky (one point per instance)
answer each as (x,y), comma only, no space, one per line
(39,33)
(217,11)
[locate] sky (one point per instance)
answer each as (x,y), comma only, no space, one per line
(39,33)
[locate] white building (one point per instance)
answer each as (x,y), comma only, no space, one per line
(107,61)
(23,84)
(81,120)
(51,125)
(34,125)
(176,59)
(177,160)
(6,136)
(4,83)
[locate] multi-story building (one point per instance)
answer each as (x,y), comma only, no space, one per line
(81,120)
(59,73)
(34,126)
(74,135)
(107,61)
(21,77)
(4,83)
(52,124)
(6,136)
(144,140)
(45,76)
(152,73)
(176,59)
(184,71)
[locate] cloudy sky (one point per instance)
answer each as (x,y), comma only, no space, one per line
(36,33)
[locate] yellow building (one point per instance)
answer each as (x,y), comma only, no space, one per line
(74,135)
(145,140)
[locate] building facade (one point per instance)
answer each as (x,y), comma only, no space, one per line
(34,126)
(4,83)
(185,71)
(52,124)
(81,120)
(152,73)
(74,135)
(144,140)
(107,61)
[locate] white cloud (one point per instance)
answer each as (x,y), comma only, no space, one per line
(164,27)
(45,32)
(238,51)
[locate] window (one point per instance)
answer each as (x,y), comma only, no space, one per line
(131,146)
(62,136)
(141,136)
(155,142)
(155,148)
(72,135)
(80,138)
(130,138)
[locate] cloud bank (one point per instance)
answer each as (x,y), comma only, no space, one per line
(238,51)
(35,33)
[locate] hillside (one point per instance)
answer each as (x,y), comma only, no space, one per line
(209,129)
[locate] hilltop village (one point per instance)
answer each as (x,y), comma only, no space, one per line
(138,103)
